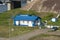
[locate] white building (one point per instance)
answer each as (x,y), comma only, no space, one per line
(27,20)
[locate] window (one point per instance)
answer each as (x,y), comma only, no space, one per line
(1,2)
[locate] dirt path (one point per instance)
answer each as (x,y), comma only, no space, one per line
(2,38)
(31,34)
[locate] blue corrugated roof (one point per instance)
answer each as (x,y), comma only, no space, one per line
(25,17)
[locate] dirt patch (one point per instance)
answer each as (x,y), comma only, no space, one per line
(48,38)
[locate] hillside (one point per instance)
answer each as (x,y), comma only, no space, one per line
(7,17)
(6,22)
(45,6)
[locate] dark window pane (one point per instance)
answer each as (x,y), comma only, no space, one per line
(1,2)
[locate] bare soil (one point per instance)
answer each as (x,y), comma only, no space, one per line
(48,38)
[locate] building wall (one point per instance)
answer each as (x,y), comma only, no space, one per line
(8,6)
(3,7)
(37,23)
(30,23)
(23,3)
(24,23)
(27,23)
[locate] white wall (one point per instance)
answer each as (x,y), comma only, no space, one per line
(23,22)
(28,23)
(17,23)
(8,6)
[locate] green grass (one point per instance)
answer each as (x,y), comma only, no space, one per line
(19,31)
(6,22)
(9,15)
(6,31)
(41,36)
(54,23)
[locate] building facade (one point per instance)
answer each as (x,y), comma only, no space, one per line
(27,20)
(11,4)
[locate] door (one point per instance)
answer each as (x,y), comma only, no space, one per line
(16,4)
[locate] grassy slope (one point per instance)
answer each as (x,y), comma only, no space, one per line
(7,16)
(6,21)
(6,24)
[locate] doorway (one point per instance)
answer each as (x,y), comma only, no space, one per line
(16,4)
